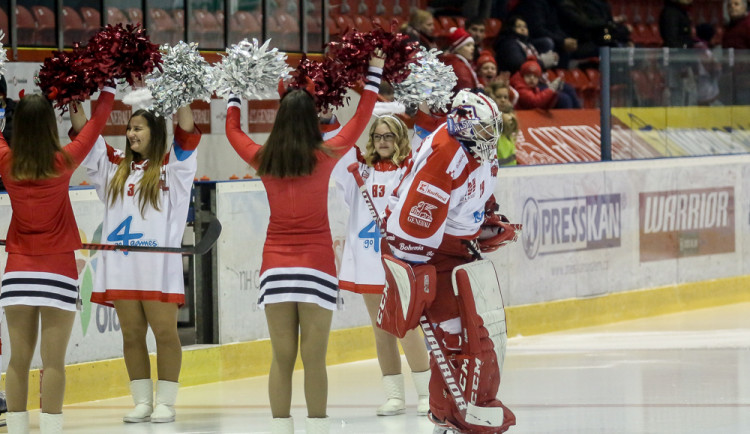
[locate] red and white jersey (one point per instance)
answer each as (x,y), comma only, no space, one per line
(442,194)
(140,275)
(361,270)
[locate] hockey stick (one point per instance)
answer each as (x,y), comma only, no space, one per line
(206,243)
(446,369)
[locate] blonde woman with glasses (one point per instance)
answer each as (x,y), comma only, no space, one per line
(382,166)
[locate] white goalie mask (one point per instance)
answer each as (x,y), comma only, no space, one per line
(475,120)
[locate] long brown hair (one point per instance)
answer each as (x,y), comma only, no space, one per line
(35,141)
(295,136)
(402,147)
(148,187)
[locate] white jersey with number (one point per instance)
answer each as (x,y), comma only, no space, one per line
(143,275)
(361,270)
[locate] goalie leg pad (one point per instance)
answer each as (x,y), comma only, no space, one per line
(481,306)
(408,292)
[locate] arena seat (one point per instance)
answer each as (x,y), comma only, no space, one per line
(247,26)
(288,30)
(115,16)
(162,27)
(363,23)
(344,22)
(4,27)
(45,26)
(92,20)
(178,15)
(446,23)
(492,28)
(208,30)
(73,27)
(135,15)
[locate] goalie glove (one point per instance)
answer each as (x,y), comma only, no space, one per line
(497,230)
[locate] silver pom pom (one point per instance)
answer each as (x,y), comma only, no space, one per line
(186,76)
(250,71)
(430,81)
(3,55)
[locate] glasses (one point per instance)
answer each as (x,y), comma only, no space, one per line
(388,137)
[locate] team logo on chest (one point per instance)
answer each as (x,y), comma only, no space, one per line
(122,235)
(421,214)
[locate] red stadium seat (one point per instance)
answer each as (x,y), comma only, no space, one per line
(248,25)
(92,20)
(4,26)
(492,28)
(178,15)
(135,15)
(344,23)
(208,29)
(288,31)
(45,26)
(162,27)
(73,27)
(446,23)
(363,23)
(115,16)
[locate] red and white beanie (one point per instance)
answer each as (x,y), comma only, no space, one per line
(458,37)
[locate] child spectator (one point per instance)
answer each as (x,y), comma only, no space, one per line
(504,96)
(486,68)
(458,56)
(530,94)
(506,144)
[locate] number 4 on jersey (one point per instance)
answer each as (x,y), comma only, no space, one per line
(370,235)
(122,234)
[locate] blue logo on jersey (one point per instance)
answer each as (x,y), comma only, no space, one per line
(478,216)
(370,235)
(122,234)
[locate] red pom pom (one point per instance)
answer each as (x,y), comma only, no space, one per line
(124,52)
(114,52)
(355,48)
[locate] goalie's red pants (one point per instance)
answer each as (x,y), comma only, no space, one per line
(476,367)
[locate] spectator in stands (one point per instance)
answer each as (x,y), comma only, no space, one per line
(9,106)
(675,24)
(542,19)
(486,68)
(533,93)
(737,32)
(592,24)
(476,28)
(421,28)
(514,46)
(460,50)
(504,96)
(506,143)
(477,8)
(737,35)
(708,68)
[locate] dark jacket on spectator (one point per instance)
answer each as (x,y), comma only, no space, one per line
(511,50)
(592,24)
(674,25)
(737,34)
(542,18)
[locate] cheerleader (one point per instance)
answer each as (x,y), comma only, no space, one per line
(382,167)
(298,285)
(146,190)
(40,283)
